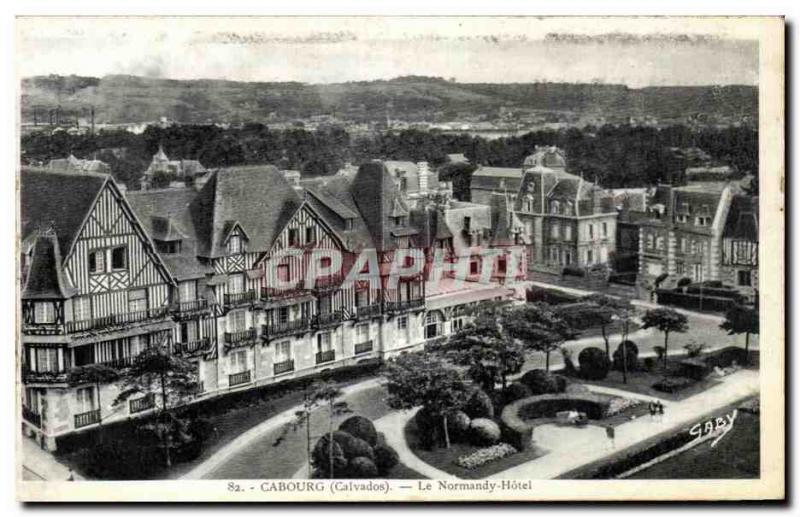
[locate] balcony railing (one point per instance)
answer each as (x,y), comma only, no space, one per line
(404,305)
(326,357)
(282,293)
(30,376)
(142,404)
(115,320)
(283,367)
(237,299)
(287,328)
(32,417)
(191,347)
(363,348)
(239,378)
(367,311)
(120,362)
(88,418)
(190,308)
(327,283)
(241,337)
(328,319)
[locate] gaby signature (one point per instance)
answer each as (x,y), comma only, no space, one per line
(719,427)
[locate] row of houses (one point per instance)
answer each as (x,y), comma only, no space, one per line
(216,273)
(705,230)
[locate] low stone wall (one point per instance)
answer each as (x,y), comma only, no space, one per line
(519,418)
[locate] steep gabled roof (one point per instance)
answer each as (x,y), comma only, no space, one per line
(45,279)
(742,221)
(258,198)
(332,198)
(60,201)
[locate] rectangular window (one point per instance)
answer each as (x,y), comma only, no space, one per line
(81,308)
(467,223)
(237,321)
(97,261)
(458,324)
(568,232)
(323,341)
(188,291)
(591,231)
(473,267)
(605,229)
(293,237)
(745,278)
(311,235)
(189,331)
(283,351)
(283,314)
(650,241)
(402,323)
(238,361)
(46,359)
(44,312)
(501,265)
(681,218)
(235,284)
(589,257)
(119,258)
(554,231)
(85,398)
(433,325)
(137,300)
(235,244)
(362,332)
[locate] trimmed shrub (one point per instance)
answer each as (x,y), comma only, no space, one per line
(457,424)
(320,458)
(649,363)
(358,447)
(429,426)
(385,459)
(516,391)
(479,405)
(484,431)
(673,384)
(694,349)
(725,357)
(631,356)
(693,368)
(361,427)
(573,271)
(593,363)
(362,468)
(561,383)
(576,389)
(539,382)
(684,281)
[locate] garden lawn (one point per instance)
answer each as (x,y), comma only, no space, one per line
(736,456)
(445,459)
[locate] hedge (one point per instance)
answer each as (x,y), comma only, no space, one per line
(692,301)
(520,418)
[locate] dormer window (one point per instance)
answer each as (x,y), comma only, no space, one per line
(348,224)
(554,207)
(235,244)
(467,222)
(168,247)
(399,220)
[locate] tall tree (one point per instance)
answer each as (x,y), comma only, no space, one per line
(603,310)
(427,380)
(484,346)
(665,320)
(740,319)
(172,379)
(538,327)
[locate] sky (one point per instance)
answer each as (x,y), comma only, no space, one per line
(633,52)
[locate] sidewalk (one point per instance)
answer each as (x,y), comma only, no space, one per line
(586,447)
(40,465)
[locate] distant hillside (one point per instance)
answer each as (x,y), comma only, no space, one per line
(119,99)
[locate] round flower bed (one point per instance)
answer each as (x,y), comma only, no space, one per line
(519,418)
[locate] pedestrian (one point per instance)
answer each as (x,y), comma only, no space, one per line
(651,406)
(660,411)
(71,476)
(610,433)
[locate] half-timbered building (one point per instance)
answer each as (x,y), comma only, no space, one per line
(94,291)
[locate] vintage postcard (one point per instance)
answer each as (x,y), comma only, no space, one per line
(400,258)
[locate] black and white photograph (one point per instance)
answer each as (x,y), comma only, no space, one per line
(395,258)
